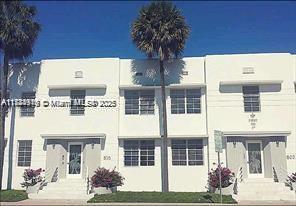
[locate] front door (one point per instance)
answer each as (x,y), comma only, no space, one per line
(74,167)
(255,159)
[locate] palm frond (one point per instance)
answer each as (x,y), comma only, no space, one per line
(160,30)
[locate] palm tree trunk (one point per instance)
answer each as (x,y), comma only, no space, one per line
(3,113)
(164,137)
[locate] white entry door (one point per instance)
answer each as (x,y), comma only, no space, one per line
(74,165)
(255,159)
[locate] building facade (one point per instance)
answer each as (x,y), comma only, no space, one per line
(250,98)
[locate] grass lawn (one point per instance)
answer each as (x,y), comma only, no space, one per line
(12,195)
(158,197)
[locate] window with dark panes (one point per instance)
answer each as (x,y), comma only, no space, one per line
(187,152)
(147,152)
(147,102)
(177,101)
(179,156)
(77,102)
(131,152)
(195,152)
(139,102)
(28,107)
(251,96)
(24,153)
(193,100)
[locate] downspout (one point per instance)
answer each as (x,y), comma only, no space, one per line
(118,113)
(206,106)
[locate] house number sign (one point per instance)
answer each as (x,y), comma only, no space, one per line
(253,120)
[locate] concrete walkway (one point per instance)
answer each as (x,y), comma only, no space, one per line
(83,202)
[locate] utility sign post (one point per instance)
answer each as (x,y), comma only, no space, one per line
(218,148)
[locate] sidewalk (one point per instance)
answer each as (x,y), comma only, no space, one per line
(83,202)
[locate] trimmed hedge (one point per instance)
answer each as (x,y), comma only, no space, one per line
(13,195)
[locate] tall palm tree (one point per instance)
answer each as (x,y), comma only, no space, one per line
(18,33)
(160,31)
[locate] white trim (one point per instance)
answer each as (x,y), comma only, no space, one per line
(171,86)
(261,175)
(250,82)
(256,133)
(73,136)
(78,86)
(169,137)
(81,160)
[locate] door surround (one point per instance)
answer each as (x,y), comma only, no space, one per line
(258,175)
(68,176)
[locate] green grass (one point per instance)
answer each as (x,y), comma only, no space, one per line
(159,197)
(12,195)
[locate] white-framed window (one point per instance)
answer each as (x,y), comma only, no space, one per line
(28,110)
(24,153)
(139,101)
(185,100)
(77,102)
(251,96)
(187,152)
(139,151)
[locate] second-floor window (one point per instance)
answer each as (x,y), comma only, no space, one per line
(251,98)
(77,102)
(28,110)
(185,100)
(139,102)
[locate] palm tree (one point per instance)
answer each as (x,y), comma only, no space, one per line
(160,31)
(18,33)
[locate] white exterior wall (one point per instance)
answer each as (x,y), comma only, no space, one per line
(226,108)
(221,110)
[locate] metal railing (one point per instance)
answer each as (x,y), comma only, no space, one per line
(238,179)
(51,175)
(87,181)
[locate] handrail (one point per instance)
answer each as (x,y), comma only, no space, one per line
(287,180)
(52,178)
(87,180)
(238,179)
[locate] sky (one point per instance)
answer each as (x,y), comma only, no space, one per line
(90,29)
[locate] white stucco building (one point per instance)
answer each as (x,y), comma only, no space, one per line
(249,97)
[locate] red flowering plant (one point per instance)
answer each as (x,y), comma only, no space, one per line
(106,178)
(32,177)
(227,177)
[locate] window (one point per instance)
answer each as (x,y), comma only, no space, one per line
(132,149)
(177,101)
(28,109)
(139,102)
(251,98)
(187,152)
(147,152)
(77,102)
(24,153)
(192,98)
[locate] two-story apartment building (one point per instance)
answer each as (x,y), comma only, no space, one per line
(250,98)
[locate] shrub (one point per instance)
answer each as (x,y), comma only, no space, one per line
(227,177)
(106,178)
(32,177)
